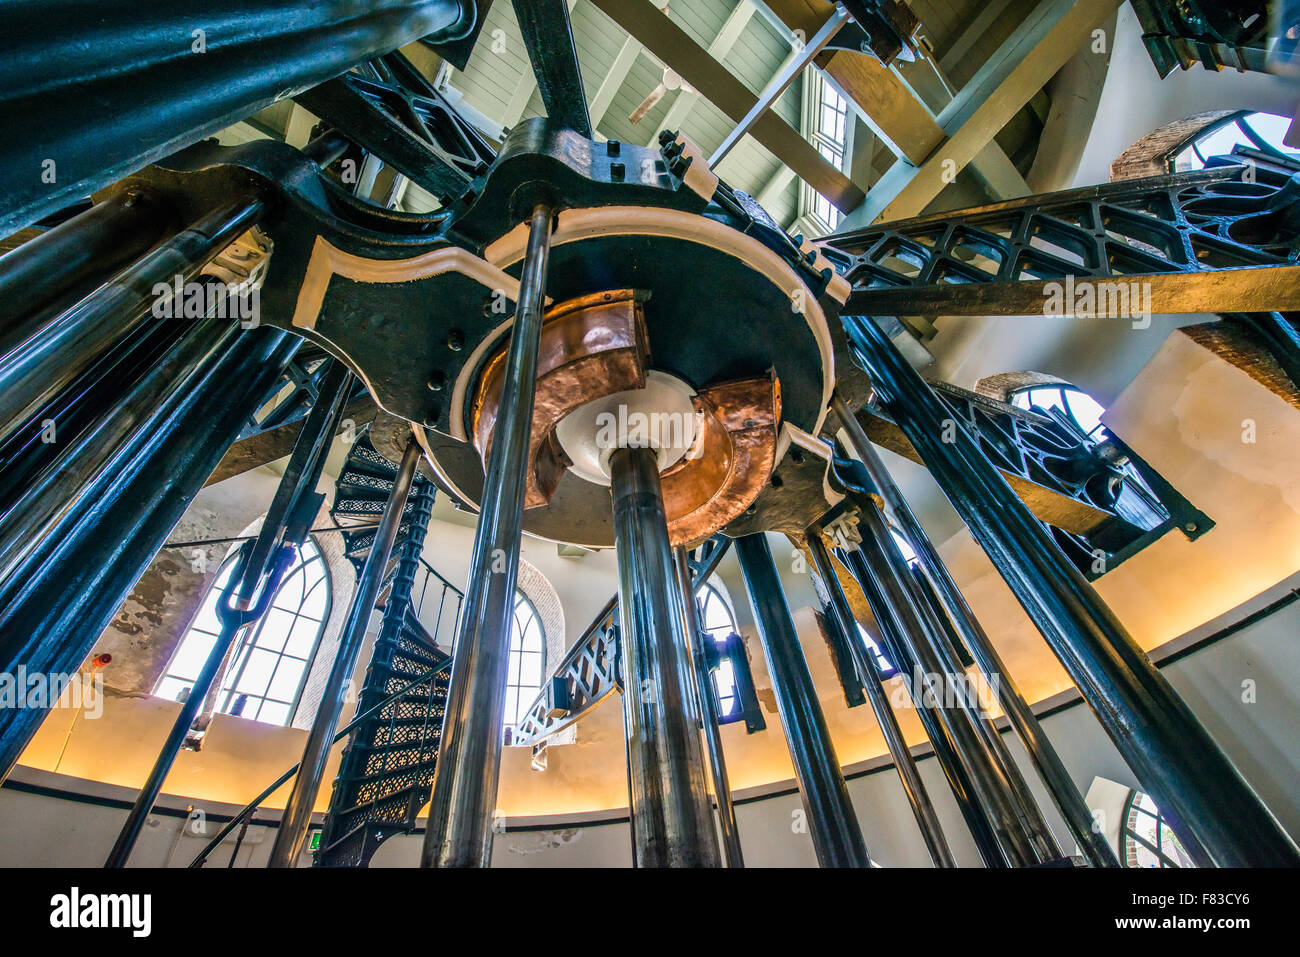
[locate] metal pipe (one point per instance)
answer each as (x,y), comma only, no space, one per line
(709,715)
(458,833)
(162,83)
(85,247)
(65,345)
(998,786)
(908,774)
(291,838)
(945,751)
(233,620)
(671,817)
(1048,764)
(250,592)
(837,837)
(41,500)
(62,596)
(1215,813)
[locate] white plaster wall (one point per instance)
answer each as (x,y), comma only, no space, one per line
(1259,737)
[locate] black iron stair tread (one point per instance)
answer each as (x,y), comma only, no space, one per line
(375,777)
(406,792)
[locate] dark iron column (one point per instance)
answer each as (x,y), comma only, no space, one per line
(945,751)
(997,783)
(1211,808)
(469,756)
(832,822)
(84,248)
(671,817)
(63,346)
(841,616)
(709,715)
(61,598)
(1048,764)
(292,834)
(96,89)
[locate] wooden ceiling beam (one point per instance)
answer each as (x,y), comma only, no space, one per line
(677,50)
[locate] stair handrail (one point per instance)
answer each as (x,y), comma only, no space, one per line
(213,844)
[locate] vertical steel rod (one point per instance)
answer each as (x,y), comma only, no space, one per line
(458,833)
(292,834)
(709,714)
(908,774)
(998,785)
(62,347)
(896,647)
(1215,813)
(58,601)
(1092,843)
(672,819)
(837,837)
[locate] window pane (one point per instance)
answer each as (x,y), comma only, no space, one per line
(191,656)
(275,629)
(271,712)
(284,685)
(302,639)
(530,669)
(258,671)
(314,605)
(171,688)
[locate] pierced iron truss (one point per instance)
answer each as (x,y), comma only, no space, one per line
(389,109)
(1207,241)
(1101,502)
(589,672)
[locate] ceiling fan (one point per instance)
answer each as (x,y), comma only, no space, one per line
(671,81)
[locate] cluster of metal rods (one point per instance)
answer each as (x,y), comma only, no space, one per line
(137,463)
(152,405)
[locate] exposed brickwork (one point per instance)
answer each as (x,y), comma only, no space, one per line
(1149,156)
(1233,344)
(1002,385)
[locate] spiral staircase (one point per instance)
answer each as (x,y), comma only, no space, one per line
(387,767)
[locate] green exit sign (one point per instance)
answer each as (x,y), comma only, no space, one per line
(315,841)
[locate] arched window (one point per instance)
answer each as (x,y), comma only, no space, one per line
(1146,839)
(264,680)
(527,651)
(1260,131)
(1080,408)
(717,623)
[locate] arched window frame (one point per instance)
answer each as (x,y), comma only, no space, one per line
(1166,848)
(271,641)
(1260,131)
(527,659)
(717,621)
(1079,407)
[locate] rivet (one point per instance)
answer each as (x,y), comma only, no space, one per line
(455,340)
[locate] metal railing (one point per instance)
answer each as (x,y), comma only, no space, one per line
(279,782)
